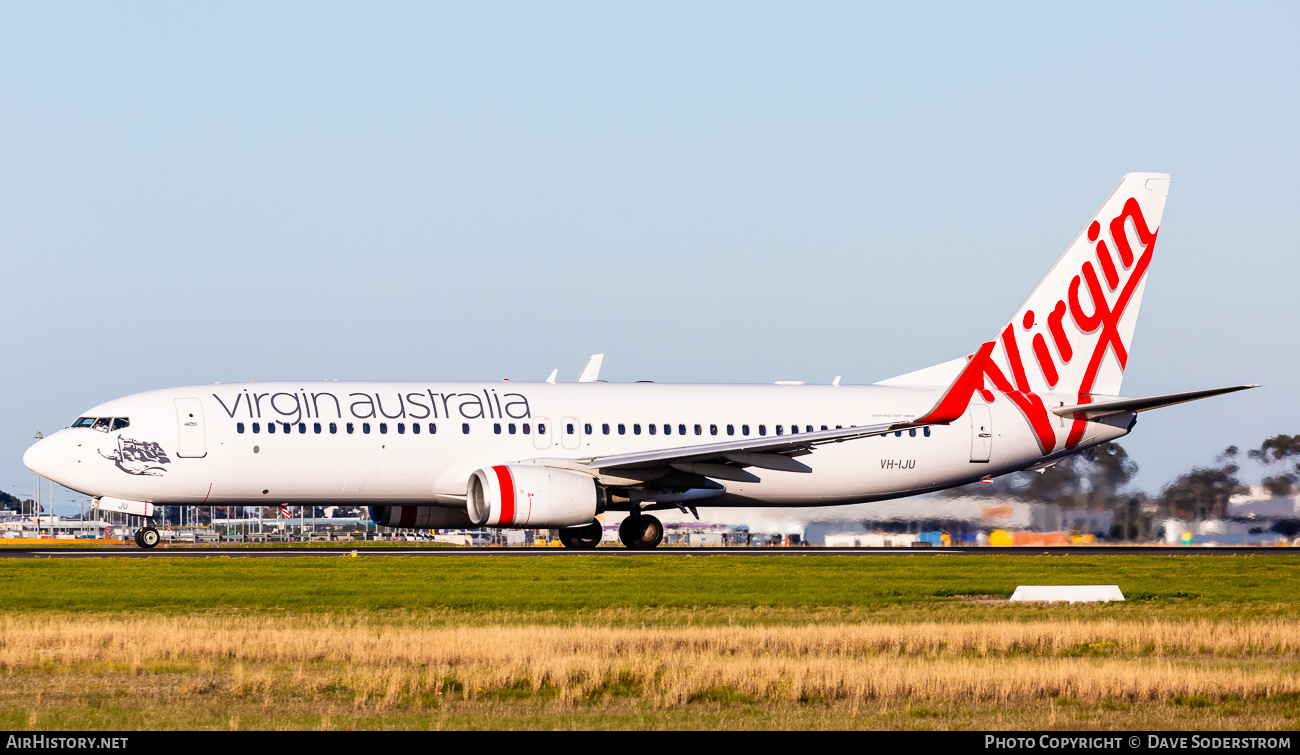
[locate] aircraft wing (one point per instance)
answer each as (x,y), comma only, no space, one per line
(767,452)
(1115,406)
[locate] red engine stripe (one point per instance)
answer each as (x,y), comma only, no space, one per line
(507,496)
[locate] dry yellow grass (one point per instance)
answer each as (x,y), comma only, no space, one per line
(383,665)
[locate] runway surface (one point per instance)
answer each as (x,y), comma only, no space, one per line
(237,552)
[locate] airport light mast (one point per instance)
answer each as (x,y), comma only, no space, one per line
(36,495)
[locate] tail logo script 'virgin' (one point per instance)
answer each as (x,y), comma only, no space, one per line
(1095,322)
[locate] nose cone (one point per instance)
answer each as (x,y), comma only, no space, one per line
(48,458)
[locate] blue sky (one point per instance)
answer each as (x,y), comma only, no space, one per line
(711,192)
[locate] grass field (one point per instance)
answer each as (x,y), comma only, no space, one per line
(651,642)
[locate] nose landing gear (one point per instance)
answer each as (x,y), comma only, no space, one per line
(641,531)
(147,537)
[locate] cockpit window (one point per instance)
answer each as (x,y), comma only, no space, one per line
(120,422)
(84,422)
(102,424)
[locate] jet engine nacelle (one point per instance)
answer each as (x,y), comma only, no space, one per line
(419,517)
(522,495)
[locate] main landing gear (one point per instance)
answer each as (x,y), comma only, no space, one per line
(641,531)
(147,537)
(582,538)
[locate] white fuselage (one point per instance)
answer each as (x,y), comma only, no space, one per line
(307,443)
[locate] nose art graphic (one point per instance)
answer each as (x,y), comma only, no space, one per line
(138,457)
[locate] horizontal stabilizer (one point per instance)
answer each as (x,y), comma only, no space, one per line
(1115,406)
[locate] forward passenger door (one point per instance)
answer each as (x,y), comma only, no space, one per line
(192,443)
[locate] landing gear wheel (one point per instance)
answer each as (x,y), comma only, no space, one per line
(583,538)
(641,532)
(148,538)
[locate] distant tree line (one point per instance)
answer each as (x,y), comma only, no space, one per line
(11,503)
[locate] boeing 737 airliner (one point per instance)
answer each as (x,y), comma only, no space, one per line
(547,455)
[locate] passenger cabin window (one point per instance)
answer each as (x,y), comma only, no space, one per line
(302,428)
(622,429)
(762,429)
(586,428)
(636,429)
(334,428)
(415,428)
(604,428)
(401,428)
(912,432)
(315,427)
(511,428)
(239,427)
(270,427)
(824,427)
(652,428)
(700,431)
(464,428)
(681,430)
(257,428)
(809,428)
(541,428)
(365,428)
(496,427)
(926,430)
(568,428)
(744,429)
(433,428)
(383,428)
(731,429)
(351,428)
(527,428)
(778,430)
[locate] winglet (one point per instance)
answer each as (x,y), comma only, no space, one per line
(554,372)
(591,372)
